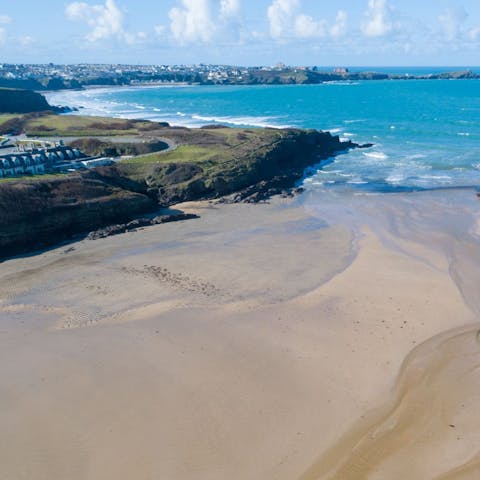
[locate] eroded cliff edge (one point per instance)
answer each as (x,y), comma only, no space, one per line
(201,164)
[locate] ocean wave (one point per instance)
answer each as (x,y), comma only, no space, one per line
(376,155)
(341,83)
(395,178)
(355,120)
(265,122)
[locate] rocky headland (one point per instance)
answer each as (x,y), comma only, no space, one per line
(25,101)
(229,165)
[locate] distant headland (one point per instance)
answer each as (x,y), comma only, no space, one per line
(59,77)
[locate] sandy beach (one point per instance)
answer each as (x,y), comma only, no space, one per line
(315,338)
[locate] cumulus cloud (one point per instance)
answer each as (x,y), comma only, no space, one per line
(192,21)
(377,22)
(4,20)
(339,28)
(308,27)
(105,21)
(229,9)
(452,22)
(200,21)
(280,14)
(159,30)
(286,21)
(474,34)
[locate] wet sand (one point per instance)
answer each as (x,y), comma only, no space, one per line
(310,339)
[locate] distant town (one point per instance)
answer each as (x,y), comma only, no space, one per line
(56,77)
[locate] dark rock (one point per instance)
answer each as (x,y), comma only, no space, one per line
(366,145)
(46,212)
(176,217)
(22,101)
(138,223)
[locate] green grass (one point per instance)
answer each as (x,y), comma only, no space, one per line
(5,117)
(229,144)
(34,178)
(78,126)
(183,153)
(214,151)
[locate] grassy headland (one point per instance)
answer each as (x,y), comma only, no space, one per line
(201,163)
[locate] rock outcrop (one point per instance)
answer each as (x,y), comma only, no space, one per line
(22,101)
(36,214)
(279,165)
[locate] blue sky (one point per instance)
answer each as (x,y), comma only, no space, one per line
(247,32)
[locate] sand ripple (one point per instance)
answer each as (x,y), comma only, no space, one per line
(431,424)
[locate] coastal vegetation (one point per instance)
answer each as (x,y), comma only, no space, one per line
(46,124)
(196,164)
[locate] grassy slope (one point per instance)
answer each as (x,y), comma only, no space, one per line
(207,155)
(219,158)
(41,125)
(6,116)
(73,125)
(204,163)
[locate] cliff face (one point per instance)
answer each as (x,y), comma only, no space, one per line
(22,101)
(35,213)
(44,212)
(283,161)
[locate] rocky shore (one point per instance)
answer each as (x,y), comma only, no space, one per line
(43,211)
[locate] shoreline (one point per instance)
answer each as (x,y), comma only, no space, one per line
(366,76)
(234,356)
(230,165)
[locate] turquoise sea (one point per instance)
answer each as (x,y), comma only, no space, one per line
(426,132)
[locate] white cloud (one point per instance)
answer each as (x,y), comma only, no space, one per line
(452,22)
(159,30)
(229,9)
(4,20)
(280,14)
(287,21)
(308,27)
(192,22)
(339,28)
(200,21)
(377,23)
(105,21)
(474,34)
(26,40)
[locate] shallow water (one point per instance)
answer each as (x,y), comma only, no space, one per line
(445,221)
(433,409)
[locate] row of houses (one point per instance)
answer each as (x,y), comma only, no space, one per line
(37,161)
